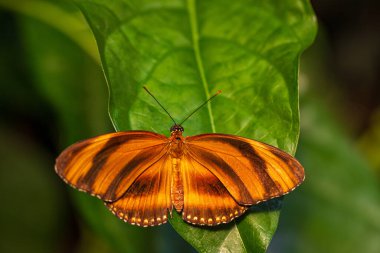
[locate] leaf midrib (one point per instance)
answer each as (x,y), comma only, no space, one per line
(191,6)
(195,38)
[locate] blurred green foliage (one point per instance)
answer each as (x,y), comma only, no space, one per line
(337,209)
(32,207)
(53,93)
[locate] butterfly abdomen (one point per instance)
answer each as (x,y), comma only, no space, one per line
(177,185)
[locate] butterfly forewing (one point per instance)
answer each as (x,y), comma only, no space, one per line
(107,165)
(250,170)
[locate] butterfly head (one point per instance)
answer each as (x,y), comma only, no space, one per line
(175,129)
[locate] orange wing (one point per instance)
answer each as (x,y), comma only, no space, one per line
(206,199)
(251,171)
(107,165)
(147,201)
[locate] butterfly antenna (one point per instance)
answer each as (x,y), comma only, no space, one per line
(146,89)
(199,107)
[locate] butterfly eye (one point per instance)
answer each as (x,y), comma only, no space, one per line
(176,128)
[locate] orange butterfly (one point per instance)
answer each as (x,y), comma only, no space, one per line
(210,178)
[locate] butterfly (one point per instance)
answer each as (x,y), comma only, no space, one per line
(209,178)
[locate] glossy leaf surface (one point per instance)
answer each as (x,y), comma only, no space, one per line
(184,51)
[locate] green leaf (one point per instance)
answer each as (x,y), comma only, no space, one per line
(184,51)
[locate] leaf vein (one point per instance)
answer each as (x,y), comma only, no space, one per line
(191,5)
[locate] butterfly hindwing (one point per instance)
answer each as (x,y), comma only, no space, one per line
(105,166)
(206,199)
(250,170)
(147,200)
